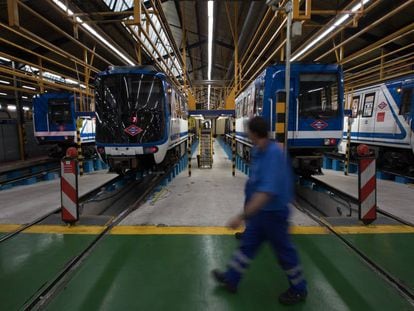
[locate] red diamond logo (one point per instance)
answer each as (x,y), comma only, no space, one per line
(382,105)
(319,125)
(133,130)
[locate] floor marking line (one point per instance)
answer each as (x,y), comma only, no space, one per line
(187,230)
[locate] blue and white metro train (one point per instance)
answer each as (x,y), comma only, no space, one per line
(55,118)
(382,117)
(315,111)
(141,118)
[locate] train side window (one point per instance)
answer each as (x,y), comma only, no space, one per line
(249,106)
(177,105)
(244,106)
(259,98)
(406,98)
(184,108)
(355,106)
(368,105)
(169,92)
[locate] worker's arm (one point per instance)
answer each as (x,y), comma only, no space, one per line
(258,200)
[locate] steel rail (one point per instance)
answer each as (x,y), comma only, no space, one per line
(42,298)
(349,198)
(82,199)
(405,291)
(29,175)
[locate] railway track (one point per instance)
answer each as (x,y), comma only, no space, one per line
(352,201)
(390,172)
(132,198)
(309,208)
(34,170)
(84,198)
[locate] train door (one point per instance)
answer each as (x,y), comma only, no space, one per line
(366,119)
(407,110)
(355,103)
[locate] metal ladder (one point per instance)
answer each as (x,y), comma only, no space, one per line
(205,157)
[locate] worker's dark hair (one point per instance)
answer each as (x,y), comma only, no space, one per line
(258,126)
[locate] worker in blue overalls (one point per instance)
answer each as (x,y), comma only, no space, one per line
(268,191)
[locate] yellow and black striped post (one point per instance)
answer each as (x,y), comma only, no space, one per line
(189,155)
(280,125)
(79,145)
(348,147)
(233,147)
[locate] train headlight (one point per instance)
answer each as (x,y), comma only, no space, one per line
(152,149)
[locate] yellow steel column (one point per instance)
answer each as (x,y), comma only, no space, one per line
(236,50)
(233,147)
(20,118)
(13,13)
(41,84)
(189,148)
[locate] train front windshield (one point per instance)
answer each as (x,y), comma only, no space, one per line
(130,109)
(318,95)
(59,111)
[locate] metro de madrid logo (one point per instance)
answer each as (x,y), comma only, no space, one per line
(382,105)
(319,125)
(133,130)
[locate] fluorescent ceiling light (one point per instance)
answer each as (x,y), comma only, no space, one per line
(24,97)
(337,23)
(5,59)
(71,81)
(358,6)
(83,86)
(208,97)
(25,108)
(62,6)
(52,76)
(315,90)
(29,87)
(5,94)
(4,82)
(210,7)
(11,107)
(341,20)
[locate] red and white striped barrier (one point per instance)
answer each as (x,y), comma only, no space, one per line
(69,190)
(367,185)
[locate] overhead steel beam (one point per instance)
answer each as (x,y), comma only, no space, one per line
(369,27)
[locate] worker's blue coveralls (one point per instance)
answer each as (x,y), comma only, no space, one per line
(271,174)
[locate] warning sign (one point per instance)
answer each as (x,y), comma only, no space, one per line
(69,166)
(380,116)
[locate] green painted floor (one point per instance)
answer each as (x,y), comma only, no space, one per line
(172,272)
(393,252)
(29,261)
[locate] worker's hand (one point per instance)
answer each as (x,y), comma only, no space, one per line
(235,222)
